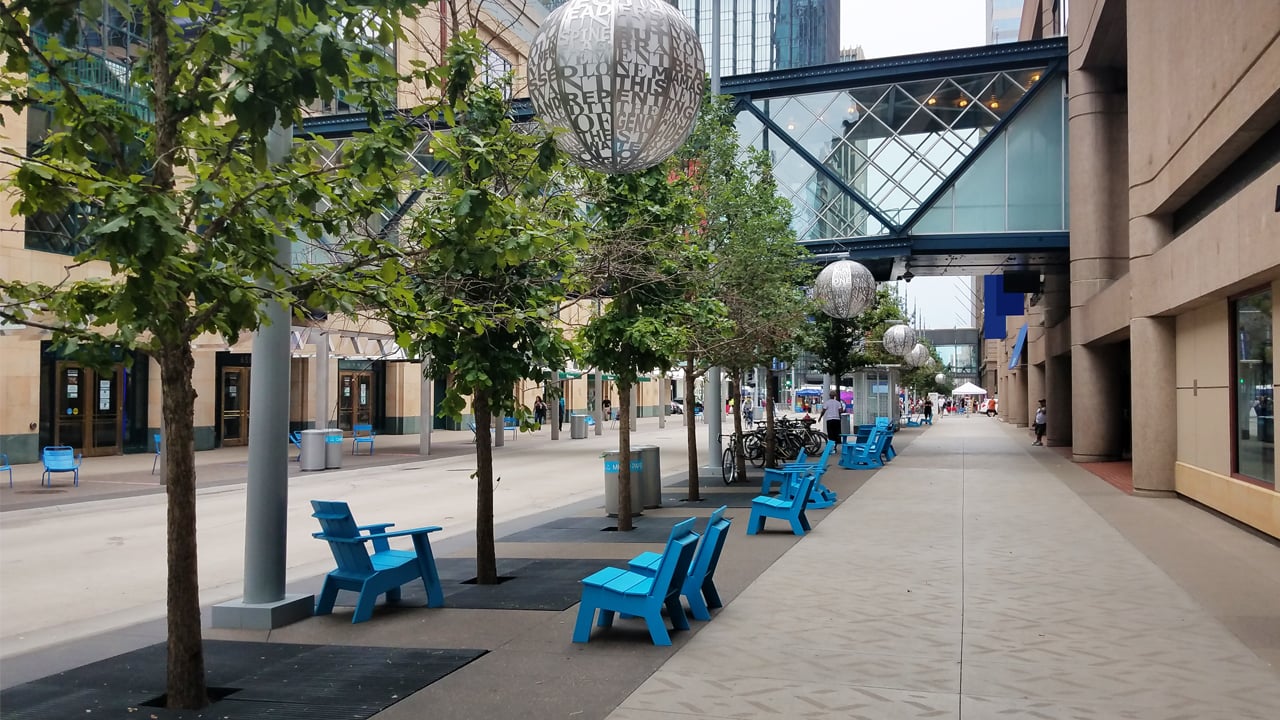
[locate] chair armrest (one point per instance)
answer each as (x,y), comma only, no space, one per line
(376,527)
(401,533)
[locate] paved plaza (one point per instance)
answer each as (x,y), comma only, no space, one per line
(973,577)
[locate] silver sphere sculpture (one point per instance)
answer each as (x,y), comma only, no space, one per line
(918,357)
(899,339)
(844,289)
(621,79)
(940,378)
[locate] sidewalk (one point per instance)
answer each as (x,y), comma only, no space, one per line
(973,577)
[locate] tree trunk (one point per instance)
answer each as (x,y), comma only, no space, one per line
(739,452)
(185,681)
(624,456)
(770,444)
(691,430)
(486,555)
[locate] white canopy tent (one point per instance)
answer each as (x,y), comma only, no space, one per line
(968,389)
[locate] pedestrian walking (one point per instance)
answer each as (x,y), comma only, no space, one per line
(831,411)
(1041,417)
(539,410)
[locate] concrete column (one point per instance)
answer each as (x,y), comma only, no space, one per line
(1035,390)
(1095,407)
(713,411)
(1057,390)
(1016,400)
(1099,183)
(1154,405)
(635,406)
(499,436)
(598,412)
(426,410)
(321,389)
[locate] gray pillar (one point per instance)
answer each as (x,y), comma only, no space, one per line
(664,401)
(1099,183)
(499,436)
(426,410)
(1017,397)
(598,411)
(321,382)
(1057,390)
(715,59)
(635,406)
(1095,411)
(713,411)
(553,409)
(1154,405)
(265,604)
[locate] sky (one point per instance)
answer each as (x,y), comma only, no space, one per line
(885,28)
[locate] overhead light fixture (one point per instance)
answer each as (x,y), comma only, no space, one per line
(931,101)
(791,126)
(963,102)
(1035,78)
(993,104)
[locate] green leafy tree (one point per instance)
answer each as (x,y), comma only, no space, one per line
(489,256)
(643,261)
(166,171)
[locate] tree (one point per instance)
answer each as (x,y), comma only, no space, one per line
(642,260)
(167,175)
(490,255)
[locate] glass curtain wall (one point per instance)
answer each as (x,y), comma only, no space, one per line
(1254,401)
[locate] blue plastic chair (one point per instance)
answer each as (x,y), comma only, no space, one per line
(614,590)
(362,435)
(156,460)
(4,465)
(698,585)
(59,458)
(372,574)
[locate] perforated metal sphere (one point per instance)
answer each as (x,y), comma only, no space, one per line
(622,79)
(940,378)
(844,289)
(899,339)
(918,357)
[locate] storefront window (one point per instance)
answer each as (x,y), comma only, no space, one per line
(1255,419)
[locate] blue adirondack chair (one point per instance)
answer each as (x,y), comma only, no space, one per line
(361,435)
(59,458)
(4,465)
(614,590)
(698,585)
(865,455)
(789,509)
(884,424)
(295,439)
(372,574)
(788,478)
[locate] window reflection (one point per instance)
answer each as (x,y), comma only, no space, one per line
(1254,408)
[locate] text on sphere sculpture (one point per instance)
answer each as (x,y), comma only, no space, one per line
(622,79)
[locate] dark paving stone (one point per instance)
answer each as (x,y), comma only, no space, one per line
(593,529)
(711,499)
(713,479)
(270,680)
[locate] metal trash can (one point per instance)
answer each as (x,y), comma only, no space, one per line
(333,449)
(577,427)
(312,455)
(650,474)
(611,495)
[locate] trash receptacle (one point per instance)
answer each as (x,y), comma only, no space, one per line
(611,495)
(650,475)
(577,427)
(312,455)
(333,449)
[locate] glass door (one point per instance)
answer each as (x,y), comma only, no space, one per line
(88,409)
(235,406)
(355,398)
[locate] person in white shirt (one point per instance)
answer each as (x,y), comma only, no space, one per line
(1041,417)
(831,410)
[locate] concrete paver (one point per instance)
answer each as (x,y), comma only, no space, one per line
(973,577)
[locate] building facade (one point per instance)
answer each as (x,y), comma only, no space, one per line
(1158,344)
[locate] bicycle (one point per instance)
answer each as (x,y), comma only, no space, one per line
(729,460)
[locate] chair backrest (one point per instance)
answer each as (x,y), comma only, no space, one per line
(704,563)
(676,559)
(156,439)
(882,422)
(803,489)
(336,521)
(362,429)
(826,452)
(802,456)
(58,457)
(4,461)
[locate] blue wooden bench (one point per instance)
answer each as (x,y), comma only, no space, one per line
(508,424)
(698,585)
(362,435)
(788,477)
(790,509)
(59,458)
(372,574)
(614,590)
(5,466)
(864,455)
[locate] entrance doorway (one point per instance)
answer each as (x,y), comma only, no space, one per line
(234,423)
(355,398)
(87,409)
